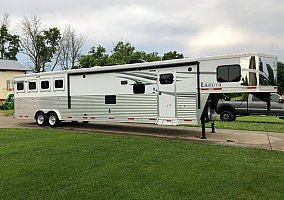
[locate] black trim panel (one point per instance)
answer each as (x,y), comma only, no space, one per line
(68,92)
(198,86)
(104,70)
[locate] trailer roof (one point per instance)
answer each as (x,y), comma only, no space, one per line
(150,65)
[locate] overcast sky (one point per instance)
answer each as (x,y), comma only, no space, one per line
(195,28)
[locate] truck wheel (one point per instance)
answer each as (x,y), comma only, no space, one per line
(227,116)
(40,119)
(53,120)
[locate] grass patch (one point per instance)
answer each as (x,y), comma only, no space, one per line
(50,164)
(251,123)
(7,112)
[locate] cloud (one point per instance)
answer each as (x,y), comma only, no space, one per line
(192,27)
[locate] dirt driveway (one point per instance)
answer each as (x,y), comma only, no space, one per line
(271,141)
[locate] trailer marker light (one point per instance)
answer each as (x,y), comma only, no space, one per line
(152,119)
(93,117)
(217,88)
(130,118)
(187,120)
(251,88)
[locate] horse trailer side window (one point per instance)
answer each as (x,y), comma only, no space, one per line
(138,88)
(44,85)
(32,85)
(166,78)
(58,84)
(229,73)
(20,86)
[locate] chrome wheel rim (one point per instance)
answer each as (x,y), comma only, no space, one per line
(40,119)
(52,120)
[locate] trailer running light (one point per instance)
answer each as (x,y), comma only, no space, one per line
(251,88)
(69,117)
(152,119)
(187,120)
(130,118)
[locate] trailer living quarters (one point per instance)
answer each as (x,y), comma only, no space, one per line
(183,91)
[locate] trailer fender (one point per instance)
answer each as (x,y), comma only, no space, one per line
(46,111)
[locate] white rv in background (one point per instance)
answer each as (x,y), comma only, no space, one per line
(183,91)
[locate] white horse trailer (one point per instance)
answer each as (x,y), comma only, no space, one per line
(183,91)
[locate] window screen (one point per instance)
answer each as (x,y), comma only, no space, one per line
(138,88)
(166,78)
(44,85)
(110,99)
(229,73)
(32,85)
(20,86)
(58,83)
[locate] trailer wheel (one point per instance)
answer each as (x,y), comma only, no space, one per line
(53,120)
(40,119)
(227,116)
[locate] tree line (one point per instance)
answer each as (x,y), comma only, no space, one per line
(49,48)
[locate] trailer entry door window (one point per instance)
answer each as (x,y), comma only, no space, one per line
(110,99)
(229,73)
(166,78)
(32,85)
(44,85)
(20,86)
(138,88)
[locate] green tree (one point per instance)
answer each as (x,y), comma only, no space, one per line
(280,77)
(38,43)
(9,44)
(122,52)
(97,56)
(172,55)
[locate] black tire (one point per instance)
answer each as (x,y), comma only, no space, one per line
(85,122)
(53,119)
(40,119)
(227,116)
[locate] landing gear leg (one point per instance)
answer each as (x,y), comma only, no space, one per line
(203,136)
(213,127)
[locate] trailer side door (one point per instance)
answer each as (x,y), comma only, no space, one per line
(167,94)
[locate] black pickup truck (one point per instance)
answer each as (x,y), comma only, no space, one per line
(229,110)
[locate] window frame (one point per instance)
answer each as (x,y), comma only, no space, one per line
(166,83)
(58,79)
(47,89)
(228,73)
(135,85)
(20,91)
(32,81)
